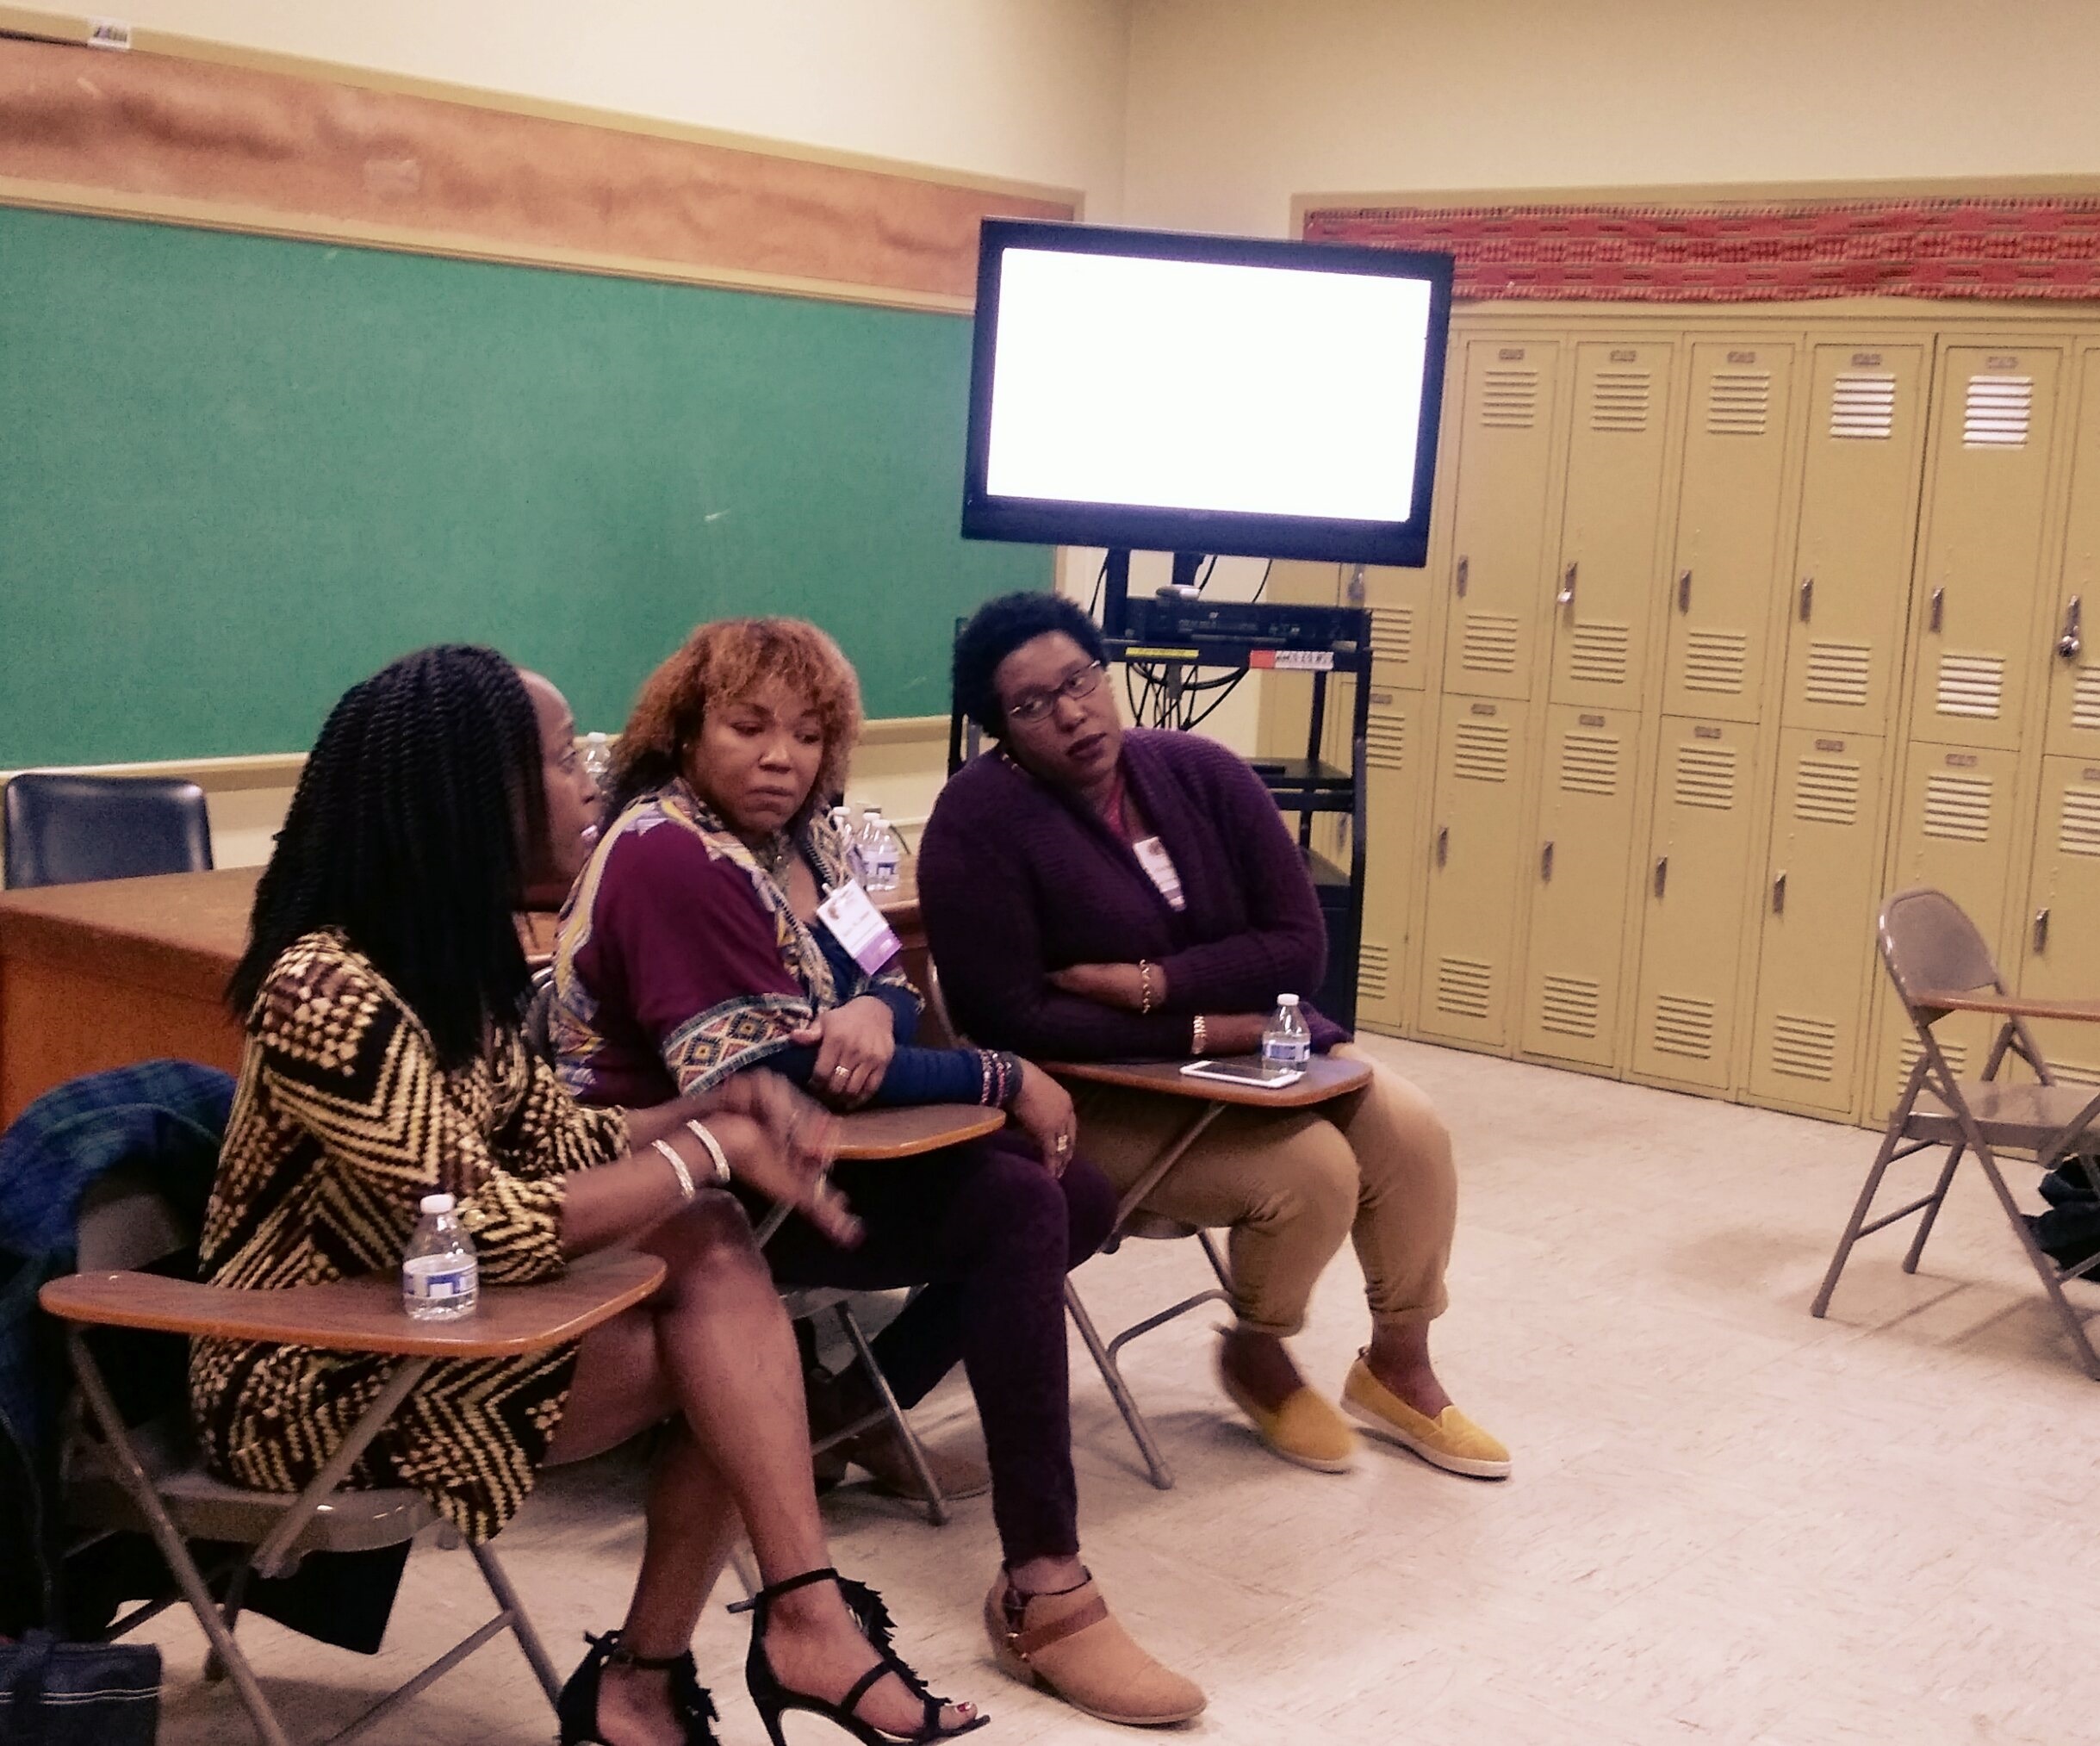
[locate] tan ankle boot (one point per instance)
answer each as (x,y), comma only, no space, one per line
(1071,1645)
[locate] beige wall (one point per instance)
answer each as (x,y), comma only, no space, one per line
(1236,105)
(1028,89)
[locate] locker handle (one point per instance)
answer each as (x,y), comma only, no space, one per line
(1779,895)
(1444,845)
(2041,932)
(1460,573)
(2073,640)
(1808,596)
(1545,861)
(1684,591)
(1939,608)
(1662,872)
(1566,597)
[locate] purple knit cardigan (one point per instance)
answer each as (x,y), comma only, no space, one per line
(1018,879)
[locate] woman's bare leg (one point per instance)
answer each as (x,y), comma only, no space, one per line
(720,1353)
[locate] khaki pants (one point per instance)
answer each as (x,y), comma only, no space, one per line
(1374,1167)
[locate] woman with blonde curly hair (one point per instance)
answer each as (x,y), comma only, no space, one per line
(693,949)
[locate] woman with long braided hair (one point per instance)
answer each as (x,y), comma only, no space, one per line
(382,991)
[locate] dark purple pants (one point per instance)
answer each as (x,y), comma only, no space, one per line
(989,1233)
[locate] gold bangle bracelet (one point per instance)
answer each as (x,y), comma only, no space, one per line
(678,1164)
(1196,1038)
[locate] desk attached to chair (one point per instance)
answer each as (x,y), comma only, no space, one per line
(104,974)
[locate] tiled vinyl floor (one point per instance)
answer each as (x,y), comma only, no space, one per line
(1728,1523)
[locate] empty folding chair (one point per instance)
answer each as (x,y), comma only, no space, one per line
(1940,964)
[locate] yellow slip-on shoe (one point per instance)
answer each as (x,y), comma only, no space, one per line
(1305,1429)
(1450,1440)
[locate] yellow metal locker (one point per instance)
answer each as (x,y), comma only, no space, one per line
(1956,831)
(1476,842)
(2074,664)
(1851,576)
(1816,958)
(1577,935)
(1285,710)
(1397,756)
(1692,902)
(1738,426)
(2061,956)
(1611,526)
(1975,618)
(1400,625)
(1501,537)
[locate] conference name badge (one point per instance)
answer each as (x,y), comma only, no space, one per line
(857,925)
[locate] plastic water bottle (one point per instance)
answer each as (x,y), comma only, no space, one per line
(880,852)
(597,759)
(441,1281)
(1286,1044)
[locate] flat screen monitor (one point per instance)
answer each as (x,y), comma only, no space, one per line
(1154,390)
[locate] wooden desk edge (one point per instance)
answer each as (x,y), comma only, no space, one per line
(962,1122)
(2009,1006)
(629,1278)
(1325,1079)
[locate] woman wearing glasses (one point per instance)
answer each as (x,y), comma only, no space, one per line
(703,941)
(1092,893)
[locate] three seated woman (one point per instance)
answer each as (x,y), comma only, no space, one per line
(1090,893)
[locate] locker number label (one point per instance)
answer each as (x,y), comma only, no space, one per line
(1867,360)
(1830,745)
(1706,733)
(2005,360)
(1626,354)
(1484,709)
(1591,721)
(1510,354)
(1742,358)
(1961,760)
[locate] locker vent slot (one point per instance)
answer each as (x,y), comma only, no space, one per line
(1509,400)
(1716,660)
(1957,808)
(1705,776)
(1957,1055)
(1738,402)
(1838,672)
(1827,791)
(1597,652)
(1683,1027)
(1490,642)
(1464,986)
(1375,970)
(1996,411)
(1568,1005)
(2085,699)
(2075,1073)
(1392,633)
(1481,753)
(1971,685)
(1385,742)
(1863,407)
(1589,763)
(1803,1048)
(2079,831)
(1618,400)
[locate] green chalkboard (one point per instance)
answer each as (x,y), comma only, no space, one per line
(239,473)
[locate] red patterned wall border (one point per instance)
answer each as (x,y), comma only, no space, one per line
(1916,248)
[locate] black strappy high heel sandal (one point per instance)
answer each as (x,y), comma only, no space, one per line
(577,1708)
(771,1699)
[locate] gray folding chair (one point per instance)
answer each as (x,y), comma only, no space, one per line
(1940,964)
(150,1477)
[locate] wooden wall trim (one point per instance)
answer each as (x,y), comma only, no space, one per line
(181,137)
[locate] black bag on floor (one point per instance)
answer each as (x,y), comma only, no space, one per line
(54,1693)
(2069,1230)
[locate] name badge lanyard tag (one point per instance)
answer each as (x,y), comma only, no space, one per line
(858,925)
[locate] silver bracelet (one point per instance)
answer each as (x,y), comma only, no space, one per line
(678,1164)
(714,1151)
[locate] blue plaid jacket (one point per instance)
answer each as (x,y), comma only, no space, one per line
(172,1113)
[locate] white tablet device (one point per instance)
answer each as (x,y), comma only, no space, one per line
(1243,1073)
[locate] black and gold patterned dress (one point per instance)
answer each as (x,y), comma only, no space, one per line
(342,1123)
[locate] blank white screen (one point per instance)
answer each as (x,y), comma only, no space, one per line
(1191,385)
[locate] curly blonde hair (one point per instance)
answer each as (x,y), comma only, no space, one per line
(719,664)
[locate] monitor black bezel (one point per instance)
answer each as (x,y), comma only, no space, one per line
(1041,521)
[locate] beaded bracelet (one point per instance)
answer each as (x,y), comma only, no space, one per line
(1196,1037)
(1144,986)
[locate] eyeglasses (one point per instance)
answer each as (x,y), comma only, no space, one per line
(1035,705)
